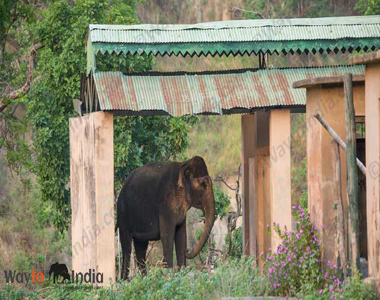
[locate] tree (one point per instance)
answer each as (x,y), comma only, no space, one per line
(368,7)
(62,27)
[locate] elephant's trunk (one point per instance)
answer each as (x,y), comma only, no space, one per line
(209,213)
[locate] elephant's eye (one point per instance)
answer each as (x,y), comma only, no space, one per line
(203,185)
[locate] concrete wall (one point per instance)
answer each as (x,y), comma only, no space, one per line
(92,194)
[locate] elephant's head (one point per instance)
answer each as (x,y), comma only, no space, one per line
(194,178)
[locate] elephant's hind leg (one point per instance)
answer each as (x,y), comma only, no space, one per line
(126,246)
(140,249)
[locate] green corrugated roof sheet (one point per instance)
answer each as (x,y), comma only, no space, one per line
(237,37)
(229,92)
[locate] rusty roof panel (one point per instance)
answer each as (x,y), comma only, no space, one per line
(207,93)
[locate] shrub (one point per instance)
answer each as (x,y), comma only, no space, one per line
(294,269)
(236,243)
(295,264)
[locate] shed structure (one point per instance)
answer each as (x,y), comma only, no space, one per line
(372,160)
(264,98)
(325,97)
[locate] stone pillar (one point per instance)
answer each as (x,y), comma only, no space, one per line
(372,128)
(280,171)
(325,96)
(92,195)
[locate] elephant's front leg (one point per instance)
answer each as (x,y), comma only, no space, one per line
(181,244)
(167,232)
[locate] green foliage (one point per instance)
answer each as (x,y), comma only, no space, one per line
(304,200)
(236,243)
(294,268)
(222,202)
(237,278)
(354,289)
(62,27)
(140,140)
(9,293)
(357,289)
(295,265)
(368,7)
(256,9)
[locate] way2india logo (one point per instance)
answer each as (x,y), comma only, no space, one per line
(58,270)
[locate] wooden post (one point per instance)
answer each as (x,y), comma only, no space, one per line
(352,175)
(340,232)
(92,195)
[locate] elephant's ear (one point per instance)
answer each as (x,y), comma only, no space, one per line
(185,175)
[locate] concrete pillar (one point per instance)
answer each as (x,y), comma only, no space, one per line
(280,170)
(372,127)
(256,209)
(325,96)
(266,145)
(248,150)
(92,195)
(262,203)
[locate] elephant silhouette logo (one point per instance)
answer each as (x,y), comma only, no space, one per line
(59,270)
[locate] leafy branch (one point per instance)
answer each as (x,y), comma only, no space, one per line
(6,100)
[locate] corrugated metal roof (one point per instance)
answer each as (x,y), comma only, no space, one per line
(240,31)
(236,37)
(207,93)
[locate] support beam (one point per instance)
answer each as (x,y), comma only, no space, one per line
(92,195)
(280,170)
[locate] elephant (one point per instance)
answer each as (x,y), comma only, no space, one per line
(152,205)
(59,270)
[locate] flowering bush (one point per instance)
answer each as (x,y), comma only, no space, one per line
(294,267)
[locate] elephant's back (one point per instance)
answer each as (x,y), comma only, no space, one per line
(151,178)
